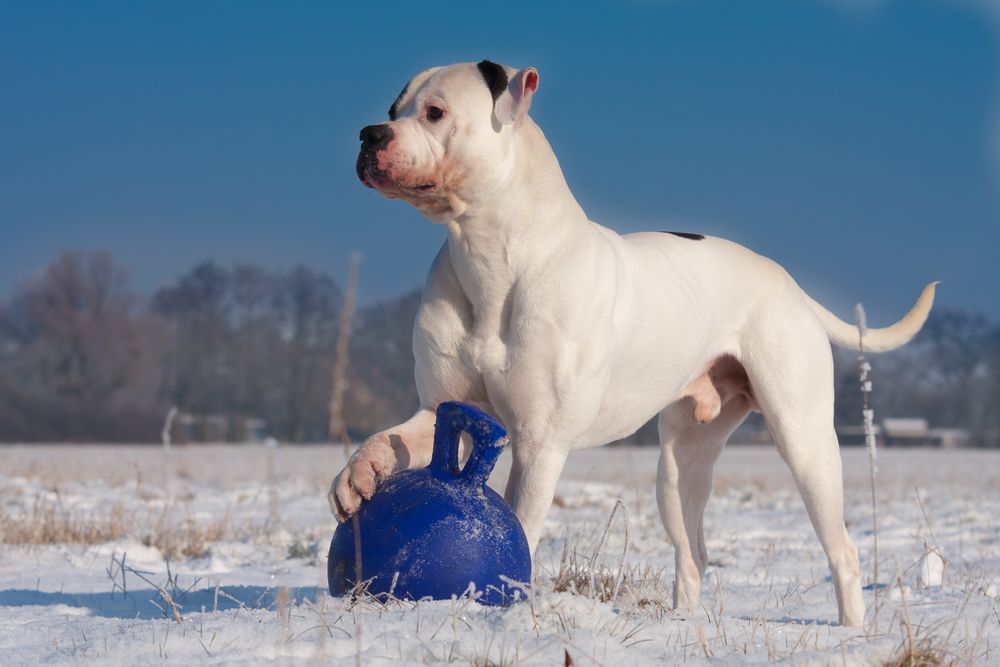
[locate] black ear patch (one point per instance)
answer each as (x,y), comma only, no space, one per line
(399,98)
(687,235)
(495,76)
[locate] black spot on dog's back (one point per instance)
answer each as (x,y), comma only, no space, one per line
(394,109)
(687,235)
(495,76)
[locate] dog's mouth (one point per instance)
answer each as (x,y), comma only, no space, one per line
(367,168)
(372,176)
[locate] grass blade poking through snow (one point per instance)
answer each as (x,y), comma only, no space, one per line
(868,416)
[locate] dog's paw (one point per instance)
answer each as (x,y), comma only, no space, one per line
(358,480)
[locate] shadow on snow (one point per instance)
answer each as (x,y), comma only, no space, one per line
(146,603)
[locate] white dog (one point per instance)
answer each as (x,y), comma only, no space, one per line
(575,336)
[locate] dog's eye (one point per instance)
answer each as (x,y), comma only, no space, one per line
(435,114)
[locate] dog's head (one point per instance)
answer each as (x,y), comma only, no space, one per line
(448,139)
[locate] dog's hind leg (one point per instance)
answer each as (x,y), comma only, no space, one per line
(791,371)
(688,451)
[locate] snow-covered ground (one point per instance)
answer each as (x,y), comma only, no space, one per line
(246,529)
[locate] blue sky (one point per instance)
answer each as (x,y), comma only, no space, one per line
(856,143)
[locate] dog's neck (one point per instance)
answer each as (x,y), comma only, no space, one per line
(516,231)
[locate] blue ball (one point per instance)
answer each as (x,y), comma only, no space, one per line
(432,532)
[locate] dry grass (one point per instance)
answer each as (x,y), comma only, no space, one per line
(915,650)
(922,653)
(189,538)
(638,588)
(589,577)
(922,646)
(581,576)
(48,522)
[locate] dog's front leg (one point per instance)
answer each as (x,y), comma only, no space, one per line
(408,445)
(531,486)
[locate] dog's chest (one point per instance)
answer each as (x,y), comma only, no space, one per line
(485,346)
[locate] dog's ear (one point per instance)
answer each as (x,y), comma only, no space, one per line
(516,100)
(511,93)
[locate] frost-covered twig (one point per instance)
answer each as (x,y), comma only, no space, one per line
(164,595)
(338,425)
(167,424)
(868,415)
(115,568)
(168,462)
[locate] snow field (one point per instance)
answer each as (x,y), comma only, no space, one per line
(216,555)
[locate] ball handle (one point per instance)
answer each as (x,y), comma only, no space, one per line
(488,440)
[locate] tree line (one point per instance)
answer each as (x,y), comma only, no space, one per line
(83,357)
(243,351)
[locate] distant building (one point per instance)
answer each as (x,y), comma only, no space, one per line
(192,428)
(853,435)
(905,431)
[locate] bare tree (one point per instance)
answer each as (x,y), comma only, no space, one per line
(84,350)
(198,308)
(310,304)
(382,390)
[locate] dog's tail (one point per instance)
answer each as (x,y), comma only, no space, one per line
(876,340)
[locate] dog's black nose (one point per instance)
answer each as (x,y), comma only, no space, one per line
(374,137)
